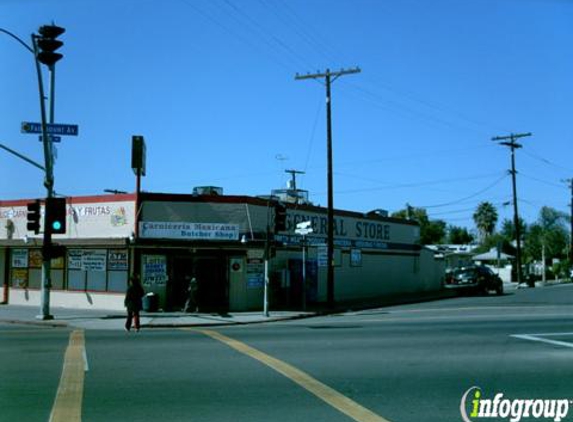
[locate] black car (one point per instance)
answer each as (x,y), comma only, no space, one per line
(477,278)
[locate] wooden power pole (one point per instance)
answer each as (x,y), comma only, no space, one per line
(509,141)
(329,77)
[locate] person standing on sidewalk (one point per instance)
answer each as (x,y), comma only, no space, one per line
(133,303)
(191,304)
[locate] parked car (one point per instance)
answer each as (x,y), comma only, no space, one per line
(476,278)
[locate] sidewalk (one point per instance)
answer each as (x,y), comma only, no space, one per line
(114,320)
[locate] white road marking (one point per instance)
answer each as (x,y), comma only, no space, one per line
(539,338)
(86,364)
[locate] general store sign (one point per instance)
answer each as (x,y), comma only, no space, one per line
(189,231)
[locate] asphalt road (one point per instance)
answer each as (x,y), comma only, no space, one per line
(404,363)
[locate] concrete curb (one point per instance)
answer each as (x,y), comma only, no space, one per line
(52,323)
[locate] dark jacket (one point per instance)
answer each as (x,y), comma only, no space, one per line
(133,297)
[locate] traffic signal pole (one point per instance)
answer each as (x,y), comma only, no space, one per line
(48,44)
(49,184)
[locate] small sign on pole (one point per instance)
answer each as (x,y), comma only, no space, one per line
(304,228)
(51,138)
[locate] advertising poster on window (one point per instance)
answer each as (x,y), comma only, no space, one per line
(19,258)
(57,263)
(255,273)
(154,270)
(94,260)
(117,260)
(355,257)
(74,259)
(35,258)
(20,278)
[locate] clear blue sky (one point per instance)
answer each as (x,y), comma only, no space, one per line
(210,84)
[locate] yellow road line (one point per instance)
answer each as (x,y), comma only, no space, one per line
(68,403)
(322,391)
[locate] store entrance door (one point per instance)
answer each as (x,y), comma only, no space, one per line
(181,274)
(213,293)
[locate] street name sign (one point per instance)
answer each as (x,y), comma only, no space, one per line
(304,228)
(51,138)
(51,128)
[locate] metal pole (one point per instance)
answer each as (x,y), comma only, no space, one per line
(23,157)
(266,289)
(49,183)
(267,257)
(571,220)
(304,273)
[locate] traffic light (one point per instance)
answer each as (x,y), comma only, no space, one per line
(48,44)
(33,215)
(280,218)
(55,218)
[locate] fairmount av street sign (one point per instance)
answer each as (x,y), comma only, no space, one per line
(51,128)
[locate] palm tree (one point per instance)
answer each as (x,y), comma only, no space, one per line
(485,218)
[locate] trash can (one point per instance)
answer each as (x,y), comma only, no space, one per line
(150,302)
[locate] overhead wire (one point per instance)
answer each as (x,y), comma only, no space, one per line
(417,184)
(546,161)
(237,35)
(545,182)
(445,204)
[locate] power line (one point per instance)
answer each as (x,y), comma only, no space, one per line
(264,33)
(238,36)
(546,161)
(498,204)
(467,197)
(412,185)
(556,185)
(398,108)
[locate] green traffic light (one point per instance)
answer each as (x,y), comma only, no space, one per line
(56,225)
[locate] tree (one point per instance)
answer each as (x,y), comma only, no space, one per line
(496,240)
(508,229)
(459,236)
(485,218)
(431,231)
(548,236)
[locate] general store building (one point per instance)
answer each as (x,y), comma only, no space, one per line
(219,240)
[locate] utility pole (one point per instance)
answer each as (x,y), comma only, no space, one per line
(509,141)
(329,77)
(571,222)
(570,182)
(293,174)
